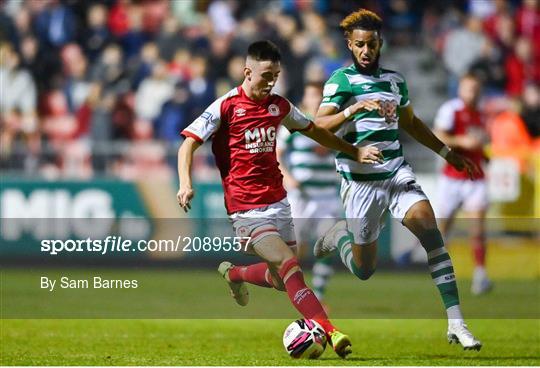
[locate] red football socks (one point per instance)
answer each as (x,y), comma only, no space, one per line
(257,274)
(479,251)
(302,297)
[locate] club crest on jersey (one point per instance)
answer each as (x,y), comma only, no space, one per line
(273,109)
(240,111)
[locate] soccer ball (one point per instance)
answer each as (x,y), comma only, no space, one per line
(304,338)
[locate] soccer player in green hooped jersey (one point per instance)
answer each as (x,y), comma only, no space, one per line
(310,177)
(365,104)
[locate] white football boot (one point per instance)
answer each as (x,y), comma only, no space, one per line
(327,243)
(239,290)
(459,333)
(481,284)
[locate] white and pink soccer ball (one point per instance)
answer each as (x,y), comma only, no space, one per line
(304,338)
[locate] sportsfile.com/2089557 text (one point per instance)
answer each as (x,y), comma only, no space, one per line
(118,244)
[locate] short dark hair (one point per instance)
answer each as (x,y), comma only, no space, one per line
(361,19)
(264,50)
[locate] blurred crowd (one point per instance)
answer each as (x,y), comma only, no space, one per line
(104,87)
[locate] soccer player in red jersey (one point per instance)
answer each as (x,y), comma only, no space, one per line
(243,125)
(459,124)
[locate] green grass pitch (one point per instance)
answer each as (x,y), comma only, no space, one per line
(382,316)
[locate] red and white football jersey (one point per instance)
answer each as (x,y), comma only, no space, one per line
(243,135)
(455,118)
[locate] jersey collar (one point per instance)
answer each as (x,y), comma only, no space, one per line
(376,73)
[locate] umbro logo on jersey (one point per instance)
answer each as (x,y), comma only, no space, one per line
(366,87)
(240,112)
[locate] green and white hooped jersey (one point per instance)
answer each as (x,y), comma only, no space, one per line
(310,164)
(345,87)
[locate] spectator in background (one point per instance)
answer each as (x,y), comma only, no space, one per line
(220,55)
(301,53)
(329,57)
(170,39)
(59,124)
(97,35)
(29,49)
(134,37)
(143,65)
(109,71)
(202,89)
(528,22)
(23,26)
(186,12)
(118,19)
(489,68)
(18,115)
(153,92)
(504,34)
(233,77)
(175,114)
(500,12)
(221,15)
(55,25)
(520,68)
(153,13)
(123,117)
(76,83)
(179,67)
(530,111)
(462,49)
(401,20)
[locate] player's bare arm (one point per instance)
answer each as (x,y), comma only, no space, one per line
(185,161)
(289,181)
(364,155)
(328,117)
(467,142)
(421,133)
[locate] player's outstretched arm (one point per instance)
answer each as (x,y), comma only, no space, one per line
(328,117)
(185,160)
(466,142)
(421,133)
(364,155)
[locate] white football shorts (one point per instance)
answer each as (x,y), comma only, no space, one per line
(453,194)
(314,215)
(366,201)
(261,222)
